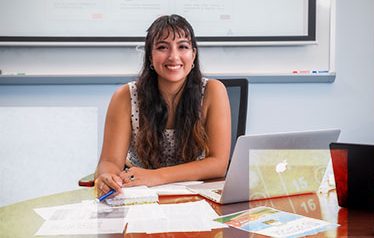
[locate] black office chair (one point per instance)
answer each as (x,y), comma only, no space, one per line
(237,90)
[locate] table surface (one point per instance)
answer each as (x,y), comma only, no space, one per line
(20,220)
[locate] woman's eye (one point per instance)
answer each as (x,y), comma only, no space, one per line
(184,46)
(161,47)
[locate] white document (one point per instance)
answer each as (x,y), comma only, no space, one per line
(172,189)
(75,227)
(82,218)
(187,183)
(144,212)
(181,217)
(47,212)
(179,188)
(211,215)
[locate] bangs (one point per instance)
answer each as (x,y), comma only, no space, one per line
(171,30)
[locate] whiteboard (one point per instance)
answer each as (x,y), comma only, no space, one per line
(126,21)
(266,63)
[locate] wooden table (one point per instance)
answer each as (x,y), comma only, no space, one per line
(19,220)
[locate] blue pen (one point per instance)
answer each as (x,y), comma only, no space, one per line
(103,197)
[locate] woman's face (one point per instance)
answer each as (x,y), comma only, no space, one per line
(172,57)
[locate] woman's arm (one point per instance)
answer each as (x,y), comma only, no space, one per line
(216,111)
(117,136)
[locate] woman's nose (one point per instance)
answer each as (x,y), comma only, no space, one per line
(173,54)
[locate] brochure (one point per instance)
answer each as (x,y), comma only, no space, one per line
(275,223)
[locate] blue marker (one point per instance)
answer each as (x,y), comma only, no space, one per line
(103,197)
(320,71)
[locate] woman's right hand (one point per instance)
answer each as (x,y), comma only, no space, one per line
(107,181)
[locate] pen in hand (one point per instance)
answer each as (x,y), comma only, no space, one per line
(104,196)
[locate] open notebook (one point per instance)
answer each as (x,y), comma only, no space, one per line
(271,165)
(133,196)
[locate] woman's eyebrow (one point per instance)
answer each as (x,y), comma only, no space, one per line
(161,42)
(178,42)
(184,41)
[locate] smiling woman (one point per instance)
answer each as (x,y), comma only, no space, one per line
(170,125)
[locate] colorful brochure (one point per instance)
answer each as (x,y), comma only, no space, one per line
(275,223)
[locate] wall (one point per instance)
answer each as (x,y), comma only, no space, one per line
(346,104)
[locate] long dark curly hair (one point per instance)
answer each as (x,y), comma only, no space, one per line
(190,134)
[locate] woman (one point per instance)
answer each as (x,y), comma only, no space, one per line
(171,124)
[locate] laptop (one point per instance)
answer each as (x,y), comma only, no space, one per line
(271,165)
(353,166)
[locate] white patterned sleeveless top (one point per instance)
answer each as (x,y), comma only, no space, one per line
(168,145)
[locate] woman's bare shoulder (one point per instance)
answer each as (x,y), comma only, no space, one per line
(121,97)
(122,93)
(215,88)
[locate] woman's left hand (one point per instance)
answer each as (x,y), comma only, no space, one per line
(136,176)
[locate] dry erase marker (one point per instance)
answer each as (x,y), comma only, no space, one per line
(320,71)
(304,71)
(103,197)
(13,74)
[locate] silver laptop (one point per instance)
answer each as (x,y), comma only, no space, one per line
(273,165)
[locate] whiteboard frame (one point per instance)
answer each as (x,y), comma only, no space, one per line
(310,38)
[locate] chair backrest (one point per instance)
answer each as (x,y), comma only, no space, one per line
(237,90)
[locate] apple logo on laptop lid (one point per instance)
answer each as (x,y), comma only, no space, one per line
(281,167)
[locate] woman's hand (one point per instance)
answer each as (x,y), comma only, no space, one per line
(107,181)
(136,176)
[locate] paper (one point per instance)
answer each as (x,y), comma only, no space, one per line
(172,189)
(188,183)
(179,188)
(144,212)
(82,218)
(275,223)
(133,195)
(181,217)
(89,217)
(75,227)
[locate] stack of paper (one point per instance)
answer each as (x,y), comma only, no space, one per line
(133,195)
(147,216)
